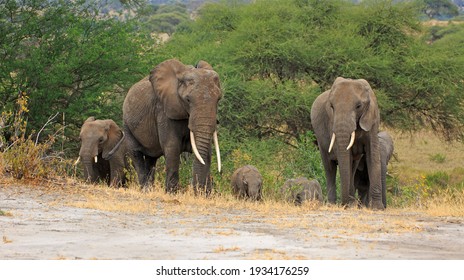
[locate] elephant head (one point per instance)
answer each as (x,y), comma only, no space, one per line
(301,189)
(247,182)
(191,93)
(99,140)
(353,120)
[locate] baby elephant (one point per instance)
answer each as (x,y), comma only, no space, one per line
(361,177)
(301,189)
(247,182)
(103,152)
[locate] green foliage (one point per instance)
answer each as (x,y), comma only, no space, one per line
(65,56)
(162,18)
(438,179)
(438,158)
(268,50)
(440,9)
(25,158)
(421,191)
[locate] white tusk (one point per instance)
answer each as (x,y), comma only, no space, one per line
(218,153)
(95,159)
(351,141)
(194,148)
(77,160)
(332,141)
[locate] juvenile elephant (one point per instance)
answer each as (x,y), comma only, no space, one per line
(247,182)
(301,189)
(171,111)
(346,120)
(103,151)
(361,178)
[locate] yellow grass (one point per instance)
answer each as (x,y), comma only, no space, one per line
(6,240)
(414,155)
(272,254)
(222,249)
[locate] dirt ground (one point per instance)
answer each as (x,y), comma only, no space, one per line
(41,224)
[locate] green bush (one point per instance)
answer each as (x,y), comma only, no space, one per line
(438,158)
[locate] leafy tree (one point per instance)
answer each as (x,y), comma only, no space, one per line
(275,57)
(67,58)
(162,18)
(440,9)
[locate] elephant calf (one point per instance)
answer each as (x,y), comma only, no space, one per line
(301,189)
(103,152)
(247,182)
(361,178)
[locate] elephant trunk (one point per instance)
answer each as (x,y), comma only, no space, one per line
(345,165)
(90,172)
(88,154)
(201,170)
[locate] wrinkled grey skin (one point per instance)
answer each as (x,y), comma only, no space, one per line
(99,138)
(350,105)
(361,178)
(247,182)
(160,111)
(301,189)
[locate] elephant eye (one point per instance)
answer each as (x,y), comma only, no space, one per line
(101,139)
(358,105)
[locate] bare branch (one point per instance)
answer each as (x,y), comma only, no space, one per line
(43,127)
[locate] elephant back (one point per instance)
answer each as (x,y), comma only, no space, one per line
(140,101)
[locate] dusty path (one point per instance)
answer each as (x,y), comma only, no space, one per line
(41,225)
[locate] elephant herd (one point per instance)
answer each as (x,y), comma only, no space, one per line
(174,110)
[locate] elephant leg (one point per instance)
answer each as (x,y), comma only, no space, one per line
(354,169)
(375,184)
(118,178)
(383,175)
(172,156)
(142,168)
(330,168)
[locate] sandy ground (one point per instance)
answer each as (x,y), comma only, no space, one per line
(41,225)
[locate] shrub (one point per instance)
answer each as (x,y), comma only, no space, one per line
(27,160)
(438,158)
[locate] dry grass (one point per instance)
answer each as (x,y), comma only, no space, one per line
(273,254)
(5,213)
(221,249)
(6,240)
(416,154)
(221,211)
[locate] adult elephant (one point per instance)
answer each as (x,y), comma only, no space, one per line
(102,151)
(171,111)
(361,178)
(346,120)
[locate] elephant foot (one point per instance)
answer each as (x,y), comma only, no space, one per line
(173,189)
(377,205)
(202,190)
(146,189)
(350,205)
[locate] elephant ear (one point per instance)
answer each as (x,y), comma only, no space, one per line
(338,80)
(164,79)
(204,65)
(114,134)
(371,115)
(90,119)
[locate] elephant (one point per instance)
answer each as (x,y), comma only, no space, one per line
(361,177)
(345,121)
(103,152)
(301,189)
(171,111)
(247,182)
